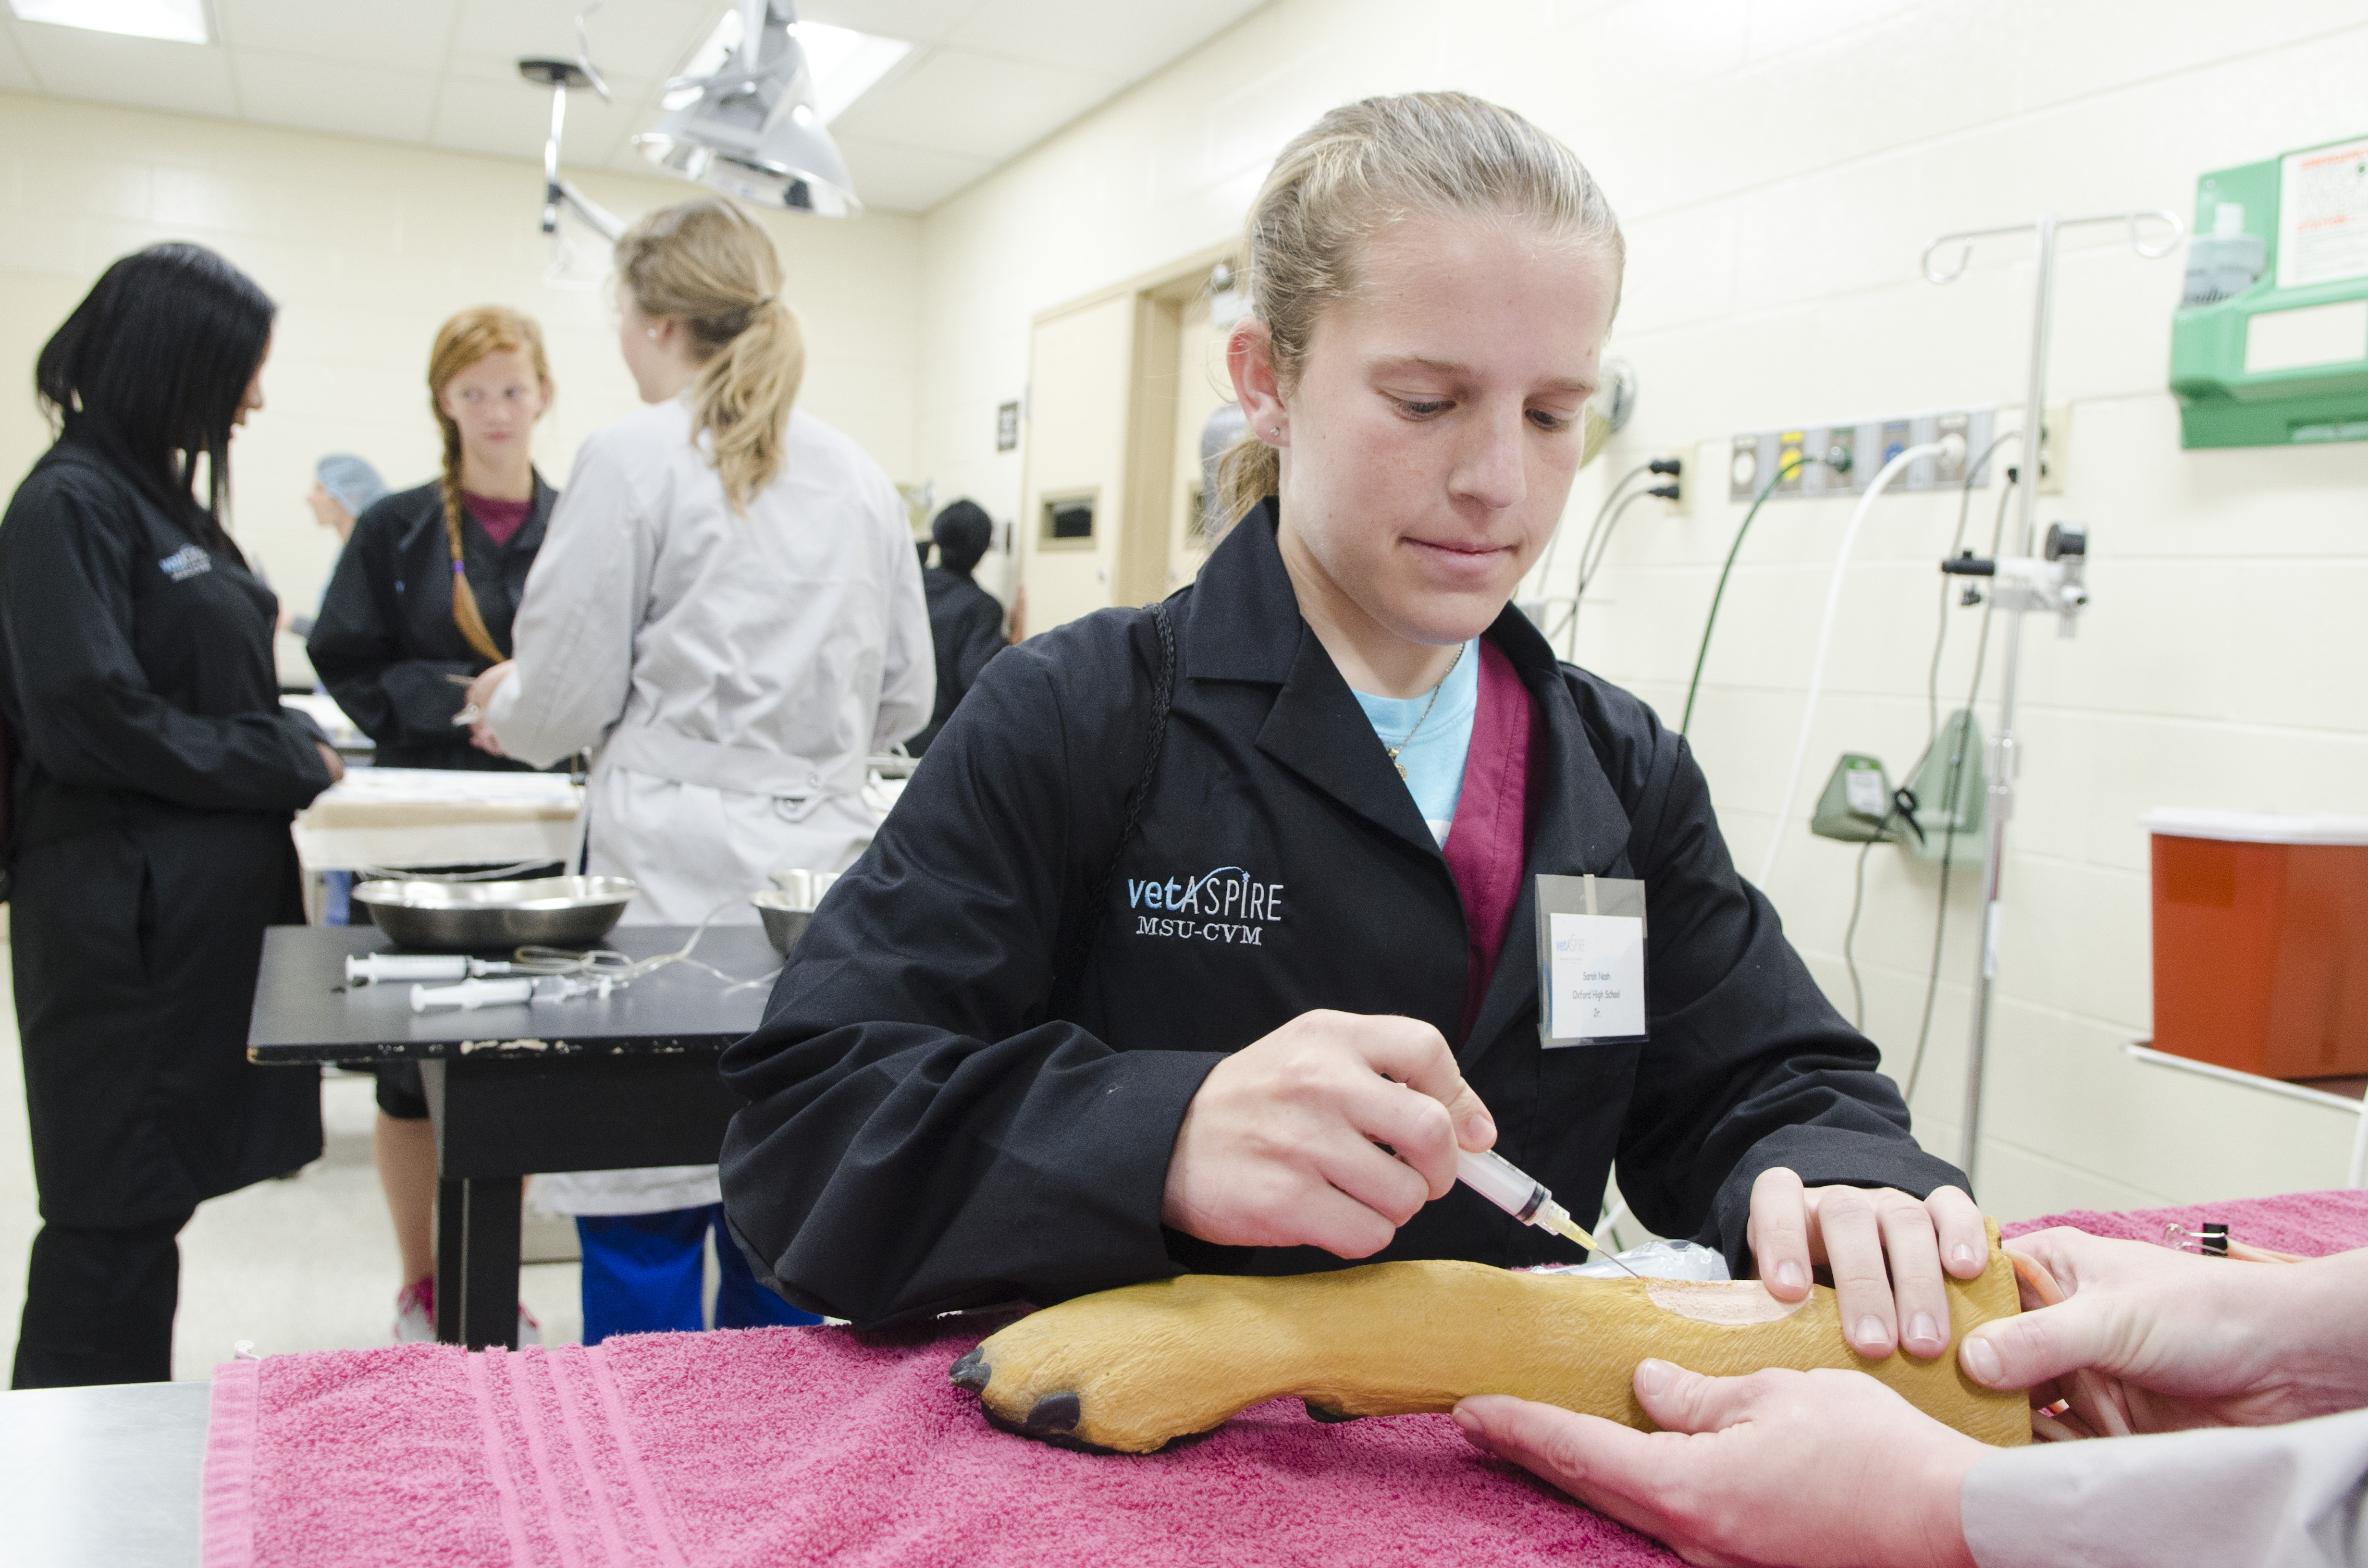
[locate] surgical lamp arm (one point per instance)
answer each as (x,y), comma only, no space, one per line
(562,192)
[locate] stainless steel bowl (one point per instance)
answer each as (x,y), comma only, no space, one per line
(785,922)
(558,912)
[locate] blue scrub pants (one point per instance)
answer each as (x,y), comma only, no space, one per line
(645,1273)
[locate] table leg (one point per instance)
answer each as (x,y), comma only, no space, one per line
(489,1262)
(452,1233)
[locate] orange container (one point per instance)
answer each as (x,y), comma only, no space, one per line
(2261,941)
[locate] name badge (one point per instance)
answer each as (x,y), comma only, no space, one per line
(1590,961)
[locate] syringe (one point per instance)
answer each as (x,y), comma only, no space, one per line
(369,969)
(1523,1196)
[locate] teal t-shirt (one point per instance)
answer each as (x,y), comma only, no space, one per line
(1434,758)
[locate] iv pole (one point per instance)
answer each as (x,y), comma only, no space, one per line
(2005,758)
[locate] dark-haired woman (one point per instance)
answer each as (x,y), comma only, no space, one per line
(421,602)
(155,777)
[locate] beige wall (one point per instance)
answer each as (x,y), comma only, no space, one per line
(368,247)
(1779,164)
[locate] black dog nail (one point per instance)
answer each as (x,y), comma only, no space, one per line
(1053,1413)
(972,1372)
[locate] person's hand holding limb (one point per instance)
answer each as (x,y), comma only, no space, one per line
(1824,1469)
(2193,1341)
(329,755)
(1278,1146)
(480,698)
(1886,1251)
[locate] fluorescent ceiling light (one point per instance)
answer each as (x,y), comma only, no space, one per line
(844,62)
(177,21)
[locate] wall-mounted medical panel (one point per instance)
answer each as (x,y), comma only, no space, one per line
(1863,445)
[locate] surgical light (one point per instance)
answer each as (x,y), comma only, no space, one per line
(844,62)
(755,130)
(176,21)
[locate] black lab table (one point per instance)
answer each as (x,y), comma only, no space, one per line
(578,1085)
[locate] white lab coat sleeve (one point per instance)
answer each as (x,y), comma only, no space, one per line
(582,605)
(908,670)
(2286,1496)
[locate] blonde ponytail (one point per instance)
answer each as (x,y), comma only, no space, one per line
(708,265)
(1366,164)
(460,343)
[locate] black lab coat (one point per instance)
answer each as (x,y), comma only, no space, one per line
(931,1128)
(966,629)
(156,773)
(385,640)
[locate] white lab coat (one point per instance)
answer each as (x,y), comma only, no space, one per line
(2294,1496)
(734,671)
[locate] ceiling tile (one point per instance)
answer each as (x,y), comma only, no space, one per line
(1126,41)
(975,105)
(905,179)
(640,38)
(142,73)
(916,21)
(343,99)
(412,35)
(487,108)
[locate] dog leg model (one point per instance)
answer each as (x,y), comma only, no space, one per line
(1132,1369)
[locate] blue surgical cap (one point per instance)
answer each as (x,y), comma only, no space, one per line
(352,480)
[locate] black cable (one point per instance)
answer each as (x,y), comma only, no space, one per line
(1849,938)
(1586,568)
(1784,471)
(1950,787)
(1957,541)
(1546,566)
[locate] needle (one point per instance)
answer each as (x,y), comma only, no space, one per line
(1505,1185)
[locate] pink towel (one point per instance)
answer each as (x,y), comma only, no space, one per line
(789,1445)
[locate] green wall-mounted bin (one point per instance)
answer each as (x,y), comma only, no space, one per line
(2270,343)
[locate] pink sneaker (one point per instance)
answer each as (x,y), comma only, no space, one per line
(414,1317)
(415,1312)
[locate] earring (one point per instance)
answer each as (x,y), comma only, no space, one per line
(654,333)
(1274,430)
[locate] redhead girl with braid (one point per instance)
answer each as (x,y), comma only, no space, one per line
(421,602)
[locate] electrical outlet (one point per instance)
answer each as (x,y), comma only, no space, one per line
(1678,479)
(1742,469)
(1949,468)
(1840,448)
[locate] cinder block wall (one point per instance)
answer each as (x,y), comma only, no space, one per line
(1779,166)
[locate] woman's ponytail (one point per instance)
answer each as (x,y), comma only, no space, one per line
(465,613)
(708,265)
(1248,472)
(744,395)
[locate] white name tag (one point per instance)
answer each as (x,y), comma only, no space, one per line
(1599,976)
(1591,965)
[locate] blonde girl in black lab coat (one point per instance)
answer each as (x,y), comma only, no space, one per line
(1112,998)
(155,775)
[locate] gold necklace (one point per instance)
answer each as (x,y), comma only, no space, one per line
(1408,738)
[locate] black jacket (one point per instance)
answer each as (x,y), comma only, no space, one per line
(155,774)
(966,626)
(930,1129)
(385,641)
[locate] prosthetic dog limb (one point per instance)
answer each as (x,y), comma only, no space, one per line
(1132,1369)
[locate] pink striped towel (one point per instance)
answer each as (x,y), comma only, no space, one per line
(779,1446)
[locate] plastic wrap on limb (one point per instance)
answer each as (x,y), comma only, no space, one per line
(1132,1369)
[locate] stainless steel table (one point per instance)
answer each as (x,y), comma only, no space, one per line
(102,1477)
(565,1086)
